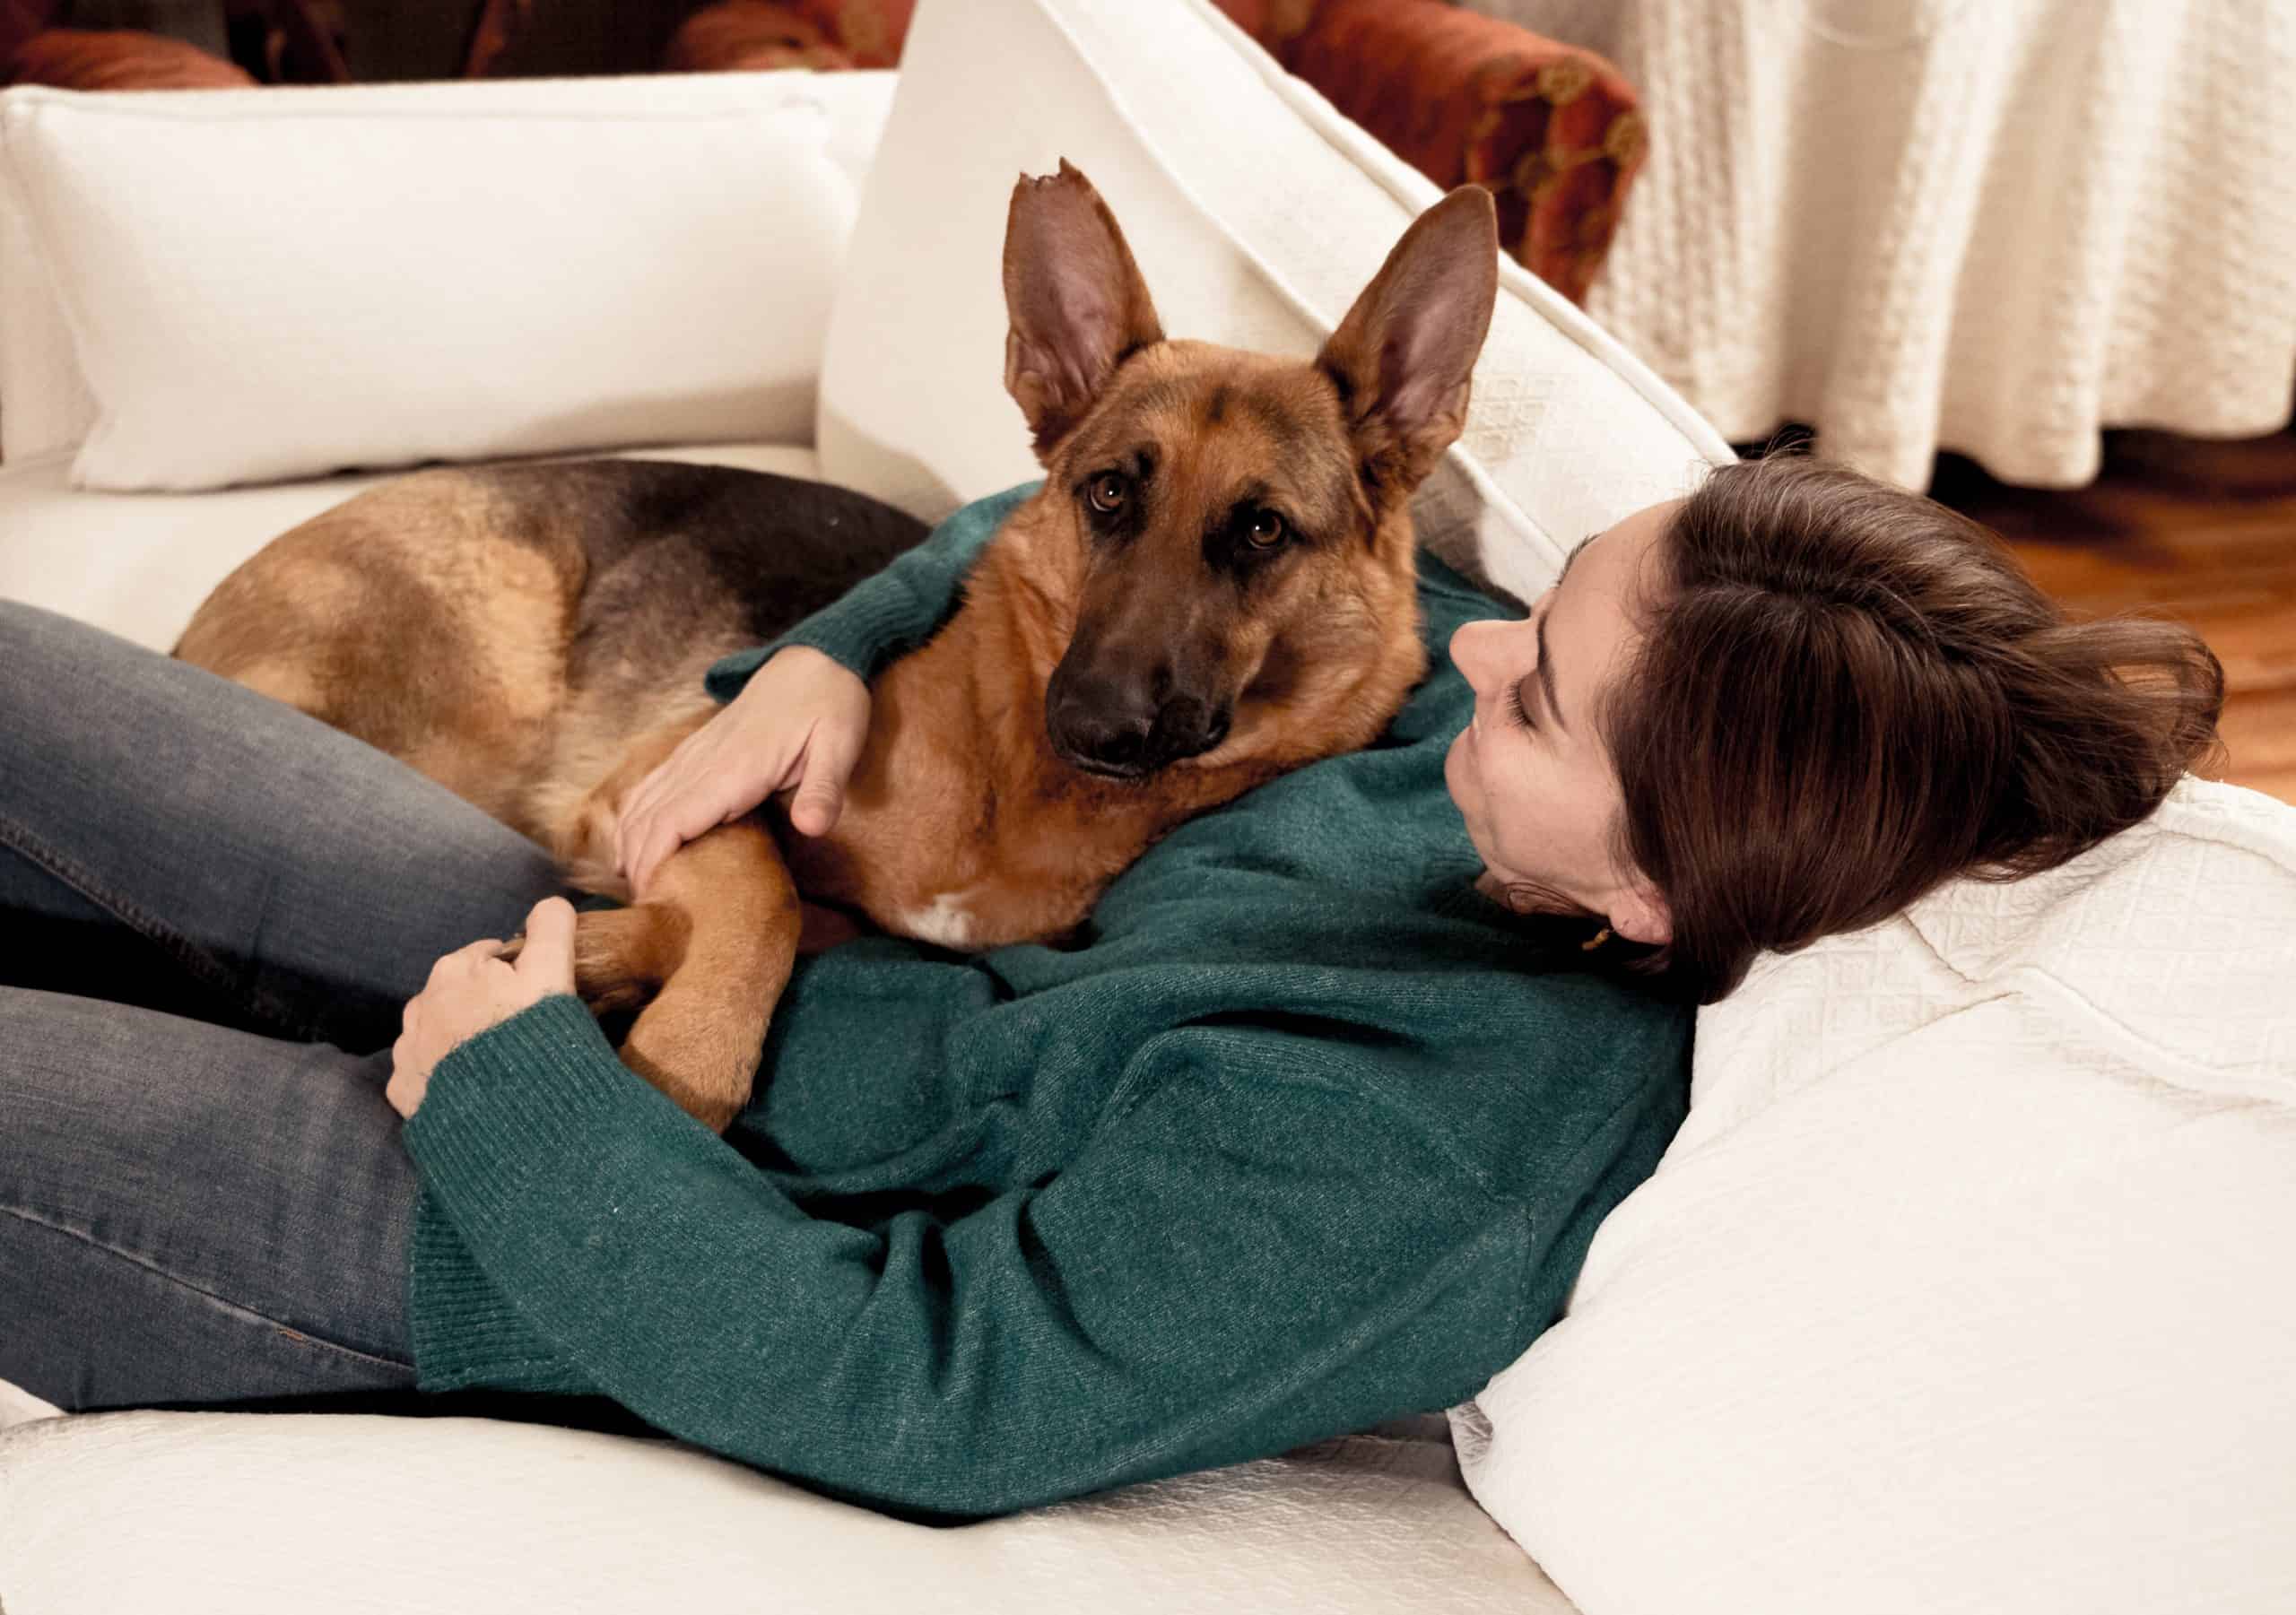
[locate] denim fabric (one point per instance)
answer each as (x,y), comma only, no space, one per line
(213,909)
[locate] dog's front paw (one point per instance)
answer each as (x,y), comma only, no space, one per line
(622,955)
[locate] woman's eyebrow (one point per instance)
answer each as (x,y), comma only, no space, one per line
(1546,676)
(1546,663)
(1567,560)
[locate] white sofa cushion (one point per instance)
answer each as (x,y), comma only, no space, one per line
(310,281)
(239,1514)
(1966,1284)
(140,566)
(1257,213)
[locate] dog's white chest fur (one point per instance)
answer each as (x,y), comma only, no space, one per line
(947,924)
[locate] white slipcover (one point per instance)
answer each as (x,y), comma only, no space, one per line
(1172,114)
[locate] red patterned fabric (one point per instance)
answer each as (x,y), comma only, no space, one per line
(737,36)
(1551,130)
(870,30)
(74,58)
(20,19)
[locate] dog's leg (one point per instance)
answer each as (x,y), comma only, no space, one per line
(712,946)
(699,1040)
(622,955)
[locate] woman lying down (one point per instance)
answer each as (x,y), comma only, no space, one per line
(1309,1130)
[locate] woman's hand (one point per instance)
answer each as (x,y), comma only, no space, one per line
(470,990)
(798,725)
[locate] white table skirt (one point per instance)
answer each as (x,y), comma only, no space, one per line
(1993,226)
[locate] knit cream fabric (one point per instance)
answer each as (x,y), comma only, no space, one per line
(1993,226)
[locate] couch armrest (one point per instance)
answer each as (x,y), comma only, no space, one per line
(1552,130)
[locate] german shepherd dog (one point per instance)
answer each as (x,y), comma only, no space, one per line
(1215,583)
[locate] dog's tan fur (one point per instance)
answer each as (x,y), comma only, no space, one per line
(461,620)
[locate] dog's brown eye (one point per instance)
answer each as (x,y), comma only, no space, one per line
(1107,491)
(1266,530)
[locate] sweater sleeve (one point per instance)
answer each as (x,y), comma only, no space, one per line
(1249,1256)
(896,610)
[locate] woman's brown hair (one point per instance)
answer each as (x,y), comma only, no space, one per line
(1847,693)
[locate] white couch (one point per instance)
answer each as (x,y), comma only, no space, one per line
(1814,1364)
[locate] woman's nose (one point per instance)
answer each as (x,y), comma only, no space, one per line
(1470,652)
(1479,650)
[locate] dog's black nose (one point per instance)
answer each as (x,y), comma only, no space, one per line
(1127,727)
(1100,724)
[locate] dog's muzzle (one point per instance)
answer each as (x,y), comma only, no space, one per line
(1119,730)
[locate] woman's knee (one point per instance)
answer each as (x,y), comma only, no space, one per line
(232,1181)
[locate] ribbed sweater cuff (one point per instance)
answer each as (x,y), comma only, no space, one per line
(528,1096)
(466,1333)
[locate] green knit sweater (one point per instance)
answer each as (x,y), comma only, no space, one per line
(1302,1137)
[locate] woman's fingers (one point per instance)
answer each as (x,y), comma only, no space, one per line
(485,947)
(714,789)
(643,807)
(642,824)
(830,755)
(637,816)
(644,803)
(799,726)
(657,841)
(547,961)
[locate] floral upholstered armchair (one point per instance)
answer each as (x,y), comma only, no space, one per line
(1551,129)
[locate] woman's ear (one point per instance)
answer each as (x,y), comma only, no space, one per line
(1639,913)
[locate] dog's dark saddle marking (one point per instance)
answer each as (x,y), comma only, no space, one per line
(677,554)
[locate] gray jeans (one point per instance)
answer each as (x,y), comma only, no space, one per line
(213,909)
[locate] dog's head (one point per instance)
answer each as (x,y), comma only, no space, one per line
(1236,526)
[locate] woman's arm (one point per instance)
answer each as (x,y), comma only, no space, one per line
(800,727)
(1250,1255)
(895,611)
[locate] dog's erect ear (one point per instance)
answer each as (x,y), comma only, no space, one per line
(1404,356)
(1077,303)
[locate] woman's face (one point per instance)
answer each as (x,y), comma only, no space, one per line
(1529,774)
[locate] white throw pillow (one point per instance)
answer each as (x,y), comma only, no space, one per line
(1966,1286)
(309,283)
(1256,215)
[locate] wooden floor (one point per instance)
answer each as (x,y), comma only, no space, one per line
(2203,532)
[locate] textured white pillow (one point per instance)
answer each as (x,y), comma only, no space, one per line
(1257,213)
(311,283)
(1966,1286)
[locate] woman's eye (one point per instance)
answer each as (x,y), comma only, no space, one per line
(1266,530)
(1107,492)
